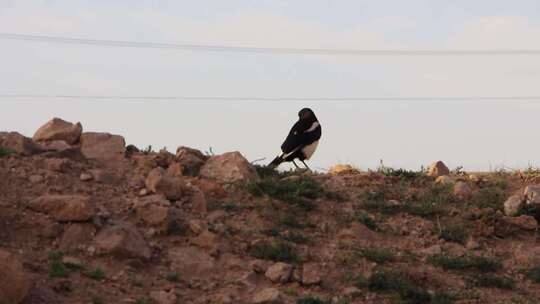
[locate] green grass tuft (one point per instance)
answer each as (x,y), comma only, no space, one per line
(492,281)
(396,282)
(366,220)
(173,277)
(482,264)
(377,255)
(97,274)
(534,274)
(454,233)
(5,152)
(311,300)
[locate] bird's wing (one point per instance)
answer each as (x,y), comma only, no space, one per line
(299,136)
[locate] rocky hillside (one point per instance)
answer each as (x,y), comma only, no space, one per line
(85,219)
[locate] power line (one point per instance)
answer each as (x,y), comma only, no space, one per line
(267,50)
(259,98)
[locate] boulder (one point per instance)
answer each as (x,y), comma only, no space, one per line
(513,204)
(157,212)
(122,240)
(103,146)
(311,274)
(206,240)
(267,296)
(57,164)
(58,129)
(438,169)
(15,282)
(192,262)
(18,143)
(229,167)
(509,225)
(65,208)
(158,181)
(279,272)
(462,190)
(191,160)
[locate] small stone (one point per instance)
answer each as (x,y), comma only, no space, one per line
(163,297)
(279,272)
(311,274)
(444,180)
(351,291)
(15,282)
(65,208)
(159,182)
(229,167)
(432,250)
(207,240)
(122,240)
(196,226)
(86,177)
(72,261)
(513,204)
(267,296)
(462,190)
(34,179)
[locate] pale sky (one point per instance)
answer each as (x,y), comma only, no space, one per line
(479,135)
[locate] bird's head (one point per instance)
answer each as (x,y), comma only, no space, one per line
(307,114)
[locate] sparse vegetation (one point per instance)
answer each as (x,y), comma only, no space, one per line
(534,274)
(173,277)
(492,281)
(279,252)
(454,233)
(367,220)
(490,197)
(297,190)
(396,282)
(377,255)
(5,152)
(297,238)
(97,274)
(97,300)
(58,269)
(403,173)
(479,263)
(143,301)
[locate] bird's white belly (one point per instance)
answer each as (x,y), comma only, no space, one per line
(310,149)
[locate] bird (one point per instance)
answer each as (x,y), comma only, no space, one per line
(302,140)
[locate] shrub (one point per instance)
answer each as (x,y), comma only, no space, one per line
(491,197)
(432,202)
(58,269)
(97,300)
(297,238)
(465,263)
(5,152)
(279,252)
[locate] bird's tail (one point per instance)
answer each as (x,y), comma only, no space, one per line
(276,162)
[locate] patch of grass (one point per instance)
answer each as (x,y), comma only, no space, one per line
(432,202)
(5,152)
(291,220)
(279,252)
(366,220)
(377,255)
(311,300)
(530,210)
(396,282)
(297,238)
(534,274)
(491,197)
(482,264)
(97,300)
(403,173)
(454,233)
(97,274)
(58,269)
(299,191)
(493,281)
(173,277)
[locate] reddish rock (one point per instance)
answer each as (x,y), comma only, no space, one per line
(163,297)
(438,169)
(76,236)
(58,129)
(229,167)
(15,282)
(211,188)
(103,146)
(159,182)
(57,164)
(279,272)
(175,170)
(532,195)
(513,204)
(267,296)
(462,190)
(191,160)
(199,203)
(65,208)
(18,143)
(157,212)
(311,274)
(192,262)
(206,240)
(508,225)
(122,240)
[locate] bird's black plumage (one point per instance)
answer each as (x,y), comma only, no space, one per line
(302,140)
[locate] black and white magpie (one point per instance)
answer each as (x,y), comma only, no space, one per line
(302,140)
